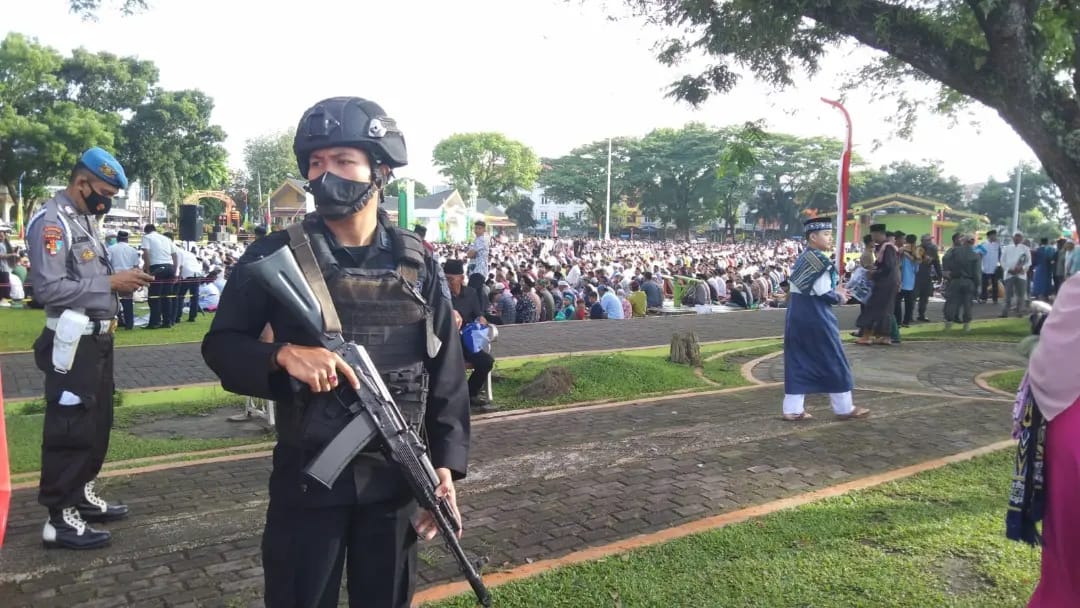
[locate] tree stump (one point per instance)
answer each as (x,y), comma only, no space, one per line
(685,350)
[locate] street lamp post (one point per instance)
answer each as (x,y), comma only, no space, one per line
(607,221)
(19,208)
(1016,201)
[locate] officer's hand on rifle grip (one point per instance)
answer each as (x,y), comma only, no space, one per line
(315,366)
(425,524)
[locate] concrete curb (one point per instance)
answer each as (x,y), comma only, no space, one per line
(982,381)
(747,369)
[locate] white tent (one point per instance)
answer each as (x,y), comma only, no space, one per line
(123,214)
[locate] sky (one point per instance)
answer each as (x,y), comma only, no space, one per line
(553,74)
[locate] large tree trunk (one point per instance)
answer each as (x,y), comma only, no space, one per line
(1050,146)
(1011,79)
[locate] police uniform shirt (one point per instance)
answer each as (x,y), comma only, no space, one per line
(123,256)
(245,365)
(69,265)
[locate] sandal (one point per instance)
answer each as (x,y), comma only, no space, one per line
(859,412)
(796,417)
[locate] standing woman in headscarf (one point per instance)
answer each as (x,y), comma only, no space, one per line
(1048,417)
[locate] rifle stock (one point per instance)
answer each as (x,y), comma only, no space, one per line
(279,274)
(373,409)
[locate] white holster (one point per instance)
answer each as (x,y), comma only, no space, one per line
(69,330)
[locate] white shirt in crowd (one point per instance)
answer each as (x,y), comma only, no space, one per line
(480,262)
(209,295)
(158,248)
(123,256)
(991,257)
(190,266)
(1013,254)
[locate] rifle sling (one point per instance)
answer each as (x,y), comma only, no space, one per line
(305,258)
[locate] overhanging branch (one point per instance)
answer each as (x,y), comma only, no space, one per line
(904,33)
(980,17)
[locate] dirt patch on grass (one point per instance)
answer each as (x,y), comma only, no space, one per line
(211,425)
(961,577)
(550,382)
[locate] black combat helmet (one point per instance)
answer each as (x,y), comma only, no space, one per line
(351,122)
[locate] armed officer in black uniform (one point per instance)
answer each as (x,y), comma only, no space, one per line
(392,299)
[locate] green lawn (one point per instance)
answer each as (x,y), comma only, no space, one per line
(21,326)
(932,540)
(1007,381)
(24,423)
(622,375)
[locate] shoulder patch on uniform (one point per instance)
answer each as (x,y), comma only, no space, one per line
(53,238)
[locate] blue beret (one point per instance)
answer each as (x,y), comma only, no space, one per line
(104,166)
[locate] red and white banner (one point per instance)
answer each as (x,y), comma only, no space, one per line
(844,177)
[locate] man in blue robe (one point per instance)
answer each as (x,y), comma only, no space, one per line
(814,360)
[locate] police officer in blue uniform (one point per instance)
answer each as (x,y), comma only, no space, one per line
(76,283)
(392,298)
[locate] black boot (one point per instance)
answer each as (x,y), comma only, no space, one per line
(65,529)
(94,508)
(479,404)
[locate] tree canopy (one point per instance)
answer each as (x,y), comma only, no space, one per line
(268,162)
(1018,57)
(53,107)
(394,187)
(88,9)
(997,199)
(675,172)
(497,165)
(171,146)
(581,176)
(925,180)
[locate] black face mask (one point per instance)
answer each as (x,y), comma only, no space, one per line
(337,197)
(98,204)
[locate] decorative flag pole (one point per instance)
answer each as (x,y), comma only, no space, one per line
(842,190)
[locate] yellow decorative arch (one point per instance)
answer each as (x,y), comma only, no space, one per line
(194,197)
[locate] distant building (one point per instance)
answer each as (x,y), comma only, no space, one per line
(448,219)
(909,214)
(290,202)
(546,211)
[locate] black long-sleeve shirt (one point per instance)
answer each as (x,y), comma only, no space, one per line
(245,365)
(930,266)
(467,304)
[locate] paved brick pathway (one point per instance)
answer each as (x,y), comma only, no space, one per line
(150,366)
(936,367)
(540,486)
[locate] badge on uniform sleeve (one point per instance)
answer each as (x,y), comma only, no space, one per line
(53,237)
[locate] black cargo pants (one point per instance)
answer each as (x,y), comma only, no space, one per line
(76,437)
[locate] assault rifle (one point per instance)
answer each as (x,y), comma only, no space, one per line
(374,415)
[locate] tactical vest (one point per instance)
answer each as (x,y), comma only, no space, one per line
(382,310)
